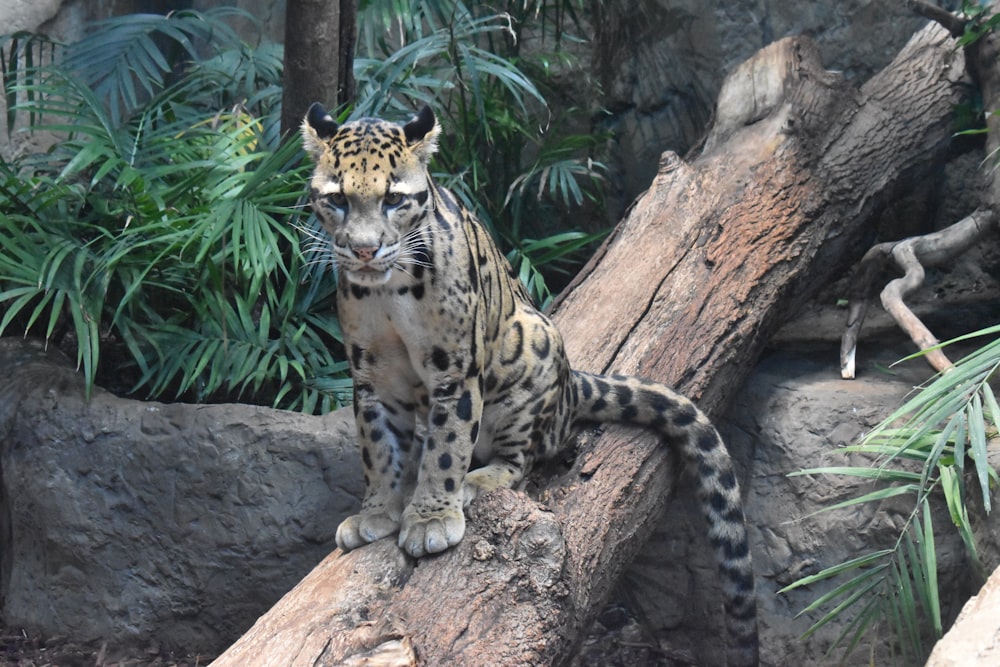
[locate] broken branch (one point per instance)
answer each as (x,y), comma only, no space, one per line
(911,255)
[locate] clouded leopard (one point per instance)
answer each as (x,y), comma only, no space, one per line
(452,362)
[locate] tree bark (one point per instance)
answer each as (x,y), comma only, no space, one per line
(687,290)
(911,254)
(984,64)
(319,57)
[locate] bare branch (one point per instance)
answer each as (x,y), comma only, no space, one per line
(911,255)
(951,23)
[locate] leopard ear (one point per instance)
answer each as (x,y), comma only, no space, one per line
(422,134)
(317,127)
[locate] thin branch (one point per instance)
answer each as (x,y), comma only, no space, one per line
(910,255)
(953,24)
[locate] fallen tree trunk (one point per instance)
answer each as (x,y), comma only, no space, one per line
(687,290)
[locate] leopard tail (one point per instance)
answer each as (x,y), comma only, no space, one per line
(656,406)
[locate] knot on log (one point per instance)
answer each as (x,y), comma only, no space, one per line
(524,533)
(389,648)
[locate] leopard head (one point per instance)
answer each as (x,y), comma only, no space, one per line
(370,188)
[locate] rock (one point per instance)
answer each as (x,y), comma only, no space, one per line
(137,522)
(974,639)
(18,15)
(795,412)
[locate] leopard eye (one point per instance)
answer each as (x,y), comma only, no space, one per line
(338,199)
(392,199)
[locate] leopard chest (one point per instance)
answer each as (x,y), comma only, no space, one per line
(404,329)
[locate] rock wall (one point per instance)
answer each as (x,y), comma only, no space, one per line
(974,640)
(137,522)
(660,64)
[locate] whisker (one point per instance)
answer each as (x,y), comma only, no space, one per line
(316,243)
(399,267)
(317,238)
(319,258)
(415,259)
(317,235)
(317,249)
(316,246)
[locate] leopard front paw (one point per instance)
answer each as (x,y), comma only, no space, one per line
(361,529)
(430,533)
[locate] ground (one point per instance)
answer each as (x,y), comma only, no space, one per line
(616,640)
(19,649)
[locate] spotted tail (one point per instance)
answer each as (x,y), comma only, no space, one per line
(656,406)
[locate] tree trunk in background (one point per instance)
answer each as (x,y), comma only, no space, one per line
(687,290)
(984,63)
(319,57)
(942,247)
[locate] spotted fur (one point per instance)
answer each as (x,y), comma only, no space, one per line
(452,362)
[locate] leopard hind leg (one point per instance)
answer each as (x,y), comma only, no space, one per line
(502,471)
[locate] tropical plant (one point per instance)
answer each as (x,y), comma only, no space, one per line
(979,21)
(504,153)
(159,234)
(158,225)
(931,448)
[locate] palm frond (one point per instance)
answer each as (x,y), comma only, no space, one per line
(943,425)
(124,61)
(23,56)
(164,218)
(463,59)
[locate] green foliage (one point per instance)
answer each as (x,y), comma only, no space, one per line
(524,184)
(979,21)
(19,60)
(923,450)
(981,117)
(158,224)
(160,234)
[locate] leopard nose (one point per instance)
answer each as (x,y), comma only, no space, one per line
(365,253)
